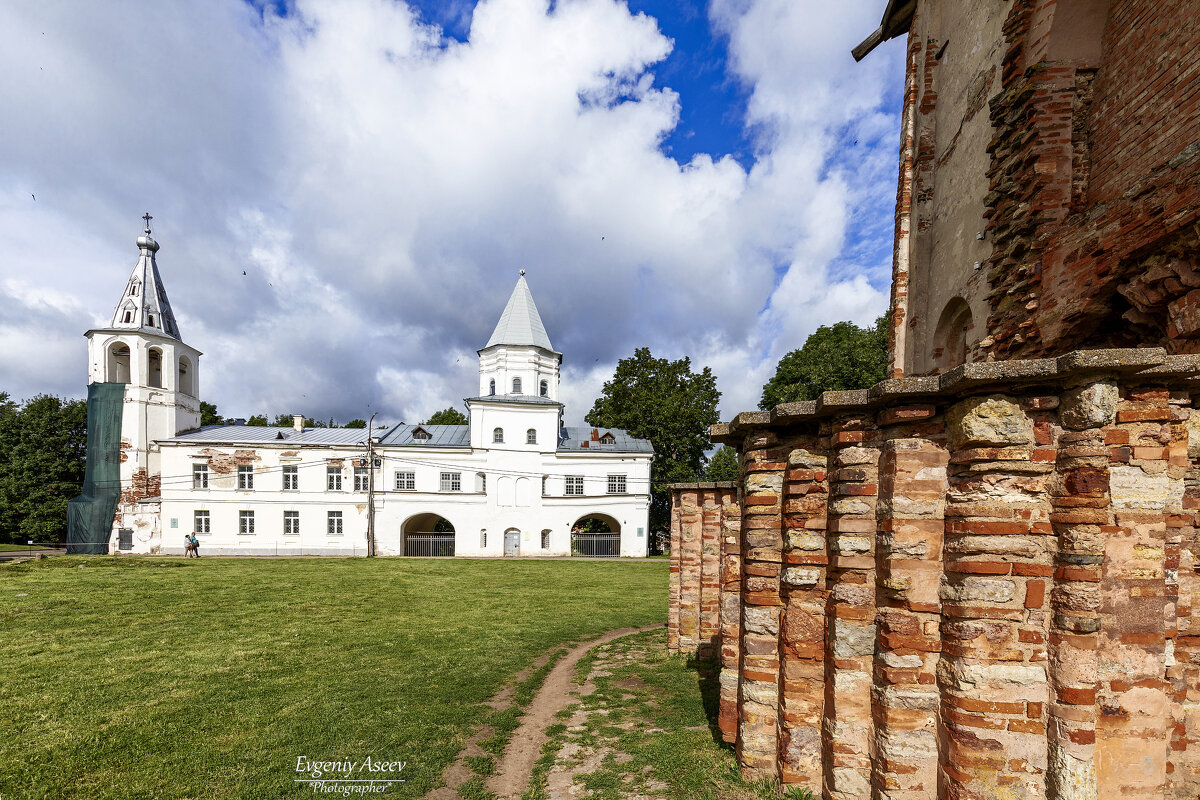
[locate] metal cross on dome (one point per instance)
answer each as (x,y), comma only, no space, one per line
(147,217)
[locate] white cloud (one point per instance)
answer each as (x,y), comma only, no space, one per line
(380,185)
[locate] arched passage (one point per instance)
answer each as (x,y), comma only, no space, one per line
(184,383)
(430,535)
(596,535)
(154,361)
(952,335)
(118,363)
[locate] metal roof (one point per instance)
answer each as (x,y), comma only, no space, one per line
(573,440)
(527,399)
(254,434)
(520,323)
(440,436)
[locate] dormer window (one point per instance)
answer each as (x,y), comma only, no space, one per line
(150,318)
(498,436)
(516,385)
(133,290)
(492,387)
(128,316)
(544,389)
(421,435)
(608,439)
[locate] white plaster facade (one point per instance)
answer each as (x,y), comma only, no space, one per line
(514,473)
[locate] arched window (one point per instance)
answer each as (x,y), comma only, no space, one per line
(531,436)
(492,386)
(118,363)
(155,372)
(544,389)
(516,385)
(184,384)
(498,436)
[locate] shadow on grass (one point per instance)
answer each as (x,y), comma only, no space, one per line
(708,680)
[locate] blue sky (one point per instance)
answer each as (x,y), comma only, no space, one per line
(708,179)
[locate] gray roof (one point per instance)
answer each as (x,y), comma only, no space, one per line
(254,434)
(144,301)
(520,323)
(440,436)
(528,399)
(574,439)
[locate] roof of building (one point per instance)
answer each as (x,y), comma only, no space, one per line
(439,436)
(520,324)
(897,17)
(254,434)
(528,399)
(593,440)
(143,305)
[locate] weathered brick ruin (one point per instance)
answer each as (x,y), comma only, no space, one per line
(976,578)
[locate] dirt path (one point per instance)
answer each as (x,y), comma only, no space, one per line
(512,773)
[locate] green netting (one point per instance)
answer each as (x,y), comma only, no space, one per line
(90,516)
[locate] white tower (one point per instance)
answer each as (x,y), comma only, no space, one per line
(142,349)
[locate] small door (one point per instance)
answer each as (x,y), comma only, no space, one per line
(512,543)
(125,539)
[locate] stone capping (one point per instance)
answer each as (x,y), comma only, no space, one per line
(1152,363)
(683,487)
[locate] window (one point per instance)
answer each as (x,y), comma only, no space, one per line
(492,386)
(531,436)
(335,523)
(544,479)
(608,439)
(451,482)
(245,477)
(544,389)
(420,435)
(406,481)
(616,484)
(151,318)
(482,481)
(483,540)
(361,479)
(199,476)
(291,479)
(128,316)
(246,523)
(333,479)
(498,436)
(201,522)
(291,523)
(574,484)
(516,385)
(545,540)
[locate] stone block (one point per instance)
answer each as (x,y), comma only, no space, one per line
(1093,405)
(978,590)
(801,576)
(1133,487)
(761,620)
(851,639)
(992,421)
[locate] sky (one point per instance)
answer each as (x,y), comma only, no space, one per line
(344,191)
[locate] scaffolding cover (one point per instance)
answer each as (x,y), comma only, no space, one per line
(90,516)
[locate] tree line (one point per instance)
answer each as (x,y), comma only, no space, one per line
(43,440)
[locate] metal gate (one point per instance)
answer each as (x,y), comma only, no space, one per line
(512,543)
(596,545)
(125,539)
(429,544)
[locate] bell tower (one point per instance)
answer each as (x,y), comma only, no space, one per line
(142,349)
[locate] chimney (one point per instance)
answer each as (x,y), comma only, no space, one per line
(595,435)
(298,423)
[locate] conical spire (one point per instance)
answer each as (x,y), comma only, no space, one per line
(144,305)
(520,323)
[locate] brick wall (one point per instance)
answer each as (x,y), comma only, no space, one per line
(970,585)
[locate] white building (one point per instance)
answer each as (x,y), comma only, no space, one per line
(515,481)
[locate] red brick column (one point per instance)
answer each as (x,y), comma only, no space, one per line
(674,595)
(992,673)
(763,465)
(710,571)
(912,491)
(802,635)
(731,613)
(690,522)
(847,727)
(1138,711)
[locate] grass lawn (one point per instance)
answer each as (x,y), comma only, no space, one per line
(208,678)
(4,548)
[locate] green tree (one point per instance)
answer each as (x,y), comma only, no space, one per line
(41,467)
(836,357)
(723,466)
(287,420)
(669,404)
(258,421)
(209,415)
(447,416)
(356,423)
